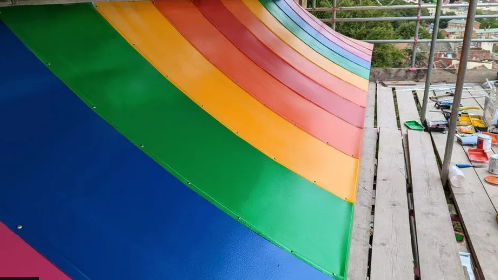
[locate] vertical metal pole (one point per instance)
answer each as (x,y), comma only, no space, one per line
(432,53)
(334,14)
(469,27)
(415,40)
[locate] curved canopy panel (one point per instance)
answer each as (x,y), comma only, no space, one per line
(177,140)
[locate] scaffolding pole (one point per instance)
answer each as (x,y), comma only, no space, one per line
(431,60)
(458,90)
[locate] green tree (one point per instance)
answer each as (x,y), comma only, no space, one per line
(487,22)
(443,23)
(407,30)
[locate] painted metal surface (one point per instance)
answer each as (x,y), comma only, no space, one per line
(292,57)
(189,21)
(101,203)
(97,64)
(152,35)
(285,35)
(342,41)
(236,32)
(318,36)
(18,259)
(333,32)
(312,42)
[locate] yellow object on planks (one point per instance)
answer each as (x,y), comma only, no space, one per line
(144,27)
(294,42)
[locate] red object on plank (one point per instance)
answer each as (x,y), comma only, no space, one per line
(478,155)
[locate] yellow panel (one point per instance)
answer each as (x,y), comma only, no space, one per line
(142,25)
(274,25)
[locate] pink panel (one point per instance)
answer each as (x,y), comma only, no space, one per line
(18,259)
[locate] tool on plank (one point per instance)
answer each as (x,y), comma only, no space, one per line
(466,165)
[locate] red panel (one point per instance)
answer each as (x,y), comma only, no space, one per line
(18,259)
(184,16)
(256,27)
(238,34)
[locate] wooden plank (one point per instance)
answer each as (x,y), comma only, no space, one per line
(370,106)
(437,249)
(362,217)
(391,247)
(407,108)
(386,115)
(477,213)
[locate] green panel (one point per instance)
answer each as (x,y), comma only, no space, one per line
(89,56)
(312,42)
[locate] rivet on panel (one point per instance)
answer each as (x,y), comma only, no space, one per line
(94,107)
(292,251)
(48,63)
(237,132)
(314,182)
(141,145)
(188,183)
(238,217)
(19,226)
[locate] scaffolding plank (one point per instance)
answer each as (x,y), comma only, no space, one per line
(437,249)
(360,235)
(407,108)
(370,107)
(386,114)
(477,212)
(391,247)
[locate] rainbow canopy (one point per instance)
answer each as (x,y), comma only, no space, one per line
(205,139)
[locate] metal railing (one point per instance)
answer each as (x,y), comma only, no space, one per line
(334,19)
(462,67)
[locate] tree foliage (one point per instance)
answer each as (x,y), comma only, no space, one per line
(487,22)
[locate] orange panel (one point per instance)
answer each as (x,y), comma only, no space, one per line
(330,82)
(157,40)
(285,35)
(240,69)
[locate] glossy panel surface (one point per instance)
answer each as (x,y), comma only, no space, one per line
(317,35)
(345,43)
(99,66)
(365,45)
(312,42)
(290,39)
(150,33)
(189,21)
(104,205)
(236,32)
(295,59)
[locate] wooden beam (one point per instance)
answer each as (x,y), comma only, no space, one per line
(437,248)
(391,247)
(386,115)
(370,106)
(362,217)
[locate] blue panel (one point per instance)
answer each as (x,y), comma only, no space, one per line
(318,36)
(96,206)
